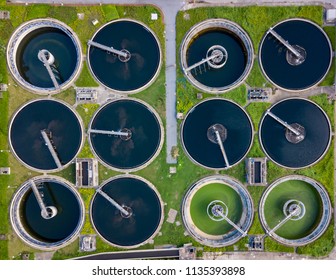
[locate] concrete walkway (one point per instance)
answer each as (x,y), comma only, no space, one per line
(281,94)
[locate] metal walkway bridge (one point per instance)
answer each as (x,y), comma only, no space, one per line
(109,132)
(106,48)
(51,148)
(204,60)
(285,43)
(231,223)
(221,145)
(285,124)
(42,56)
(287,218)
(38,197)
(113,202)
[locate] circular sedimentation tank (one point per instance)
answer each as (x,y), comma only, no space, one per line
(216,55)
(303,140)
(300,205)
(127,211)
(55,226)
(126,134)
(134,61)
(217,211)
(44,56)
(45,135)
(217,133)
(295,54)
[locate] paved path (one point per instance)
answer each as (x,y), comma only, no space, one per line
(281,94)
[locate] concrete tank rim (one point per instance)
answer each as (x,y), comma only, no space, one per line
(159,147)
(151,186)
(187,39)
(39,90)
(24,187)
(192,109)
(78,117)
(330,52)
(326,149)
(155,76)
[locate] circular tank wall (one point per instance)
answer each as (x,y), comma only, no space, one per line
(303,63)
(141,215)
(137,61)
(217,211)
(216,55)
(42,231)
(44,56)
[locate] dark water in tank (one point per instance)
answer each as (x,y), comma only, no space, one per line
(232,117)
(311,148)
(136,229)
(57,228)
(58,43)
(27,140)
(130,75)
(311,71)
(231,71)
(145,130)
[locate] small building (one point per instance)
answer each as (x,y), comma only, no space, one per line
(86,173)
(171,216)
(4,170)
(172,170)
(256,171)
(187,252)
(4,15)
(199,95)
(180,116)
(80,16)
(95,21)
(259,94)
(3,87)
(86,95)
(330,15)
(256,243)
(87,243)
(154,16)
